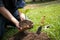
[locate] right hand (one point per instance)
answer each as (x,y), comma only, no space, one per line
(17,25)
(22,16)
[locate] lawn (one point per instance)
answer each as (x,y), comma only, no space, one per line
(52,13)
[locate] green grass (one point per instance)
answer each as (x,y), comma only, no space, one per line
(52,13)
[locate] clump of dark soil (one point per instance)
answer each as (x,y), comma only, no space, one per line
(26,24)
(29,36)
(24,35)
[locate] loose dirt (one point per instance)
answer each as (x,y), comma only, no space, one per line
(25,35)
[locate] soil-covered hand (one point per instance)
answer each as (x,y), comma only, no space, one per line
(17,25)
(26,24)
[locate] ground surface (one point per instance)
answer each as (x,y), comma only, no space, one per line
(29,36)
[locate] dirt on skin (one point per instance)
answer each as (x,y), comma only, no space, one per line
(24,35)
(26,24)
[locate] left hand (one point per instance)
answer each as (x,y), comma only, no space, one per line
(22,16)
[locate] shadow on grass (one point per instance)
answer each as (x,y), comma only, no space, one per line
(38,2)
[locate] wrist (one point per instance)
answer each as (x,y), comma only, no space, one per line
(15,21)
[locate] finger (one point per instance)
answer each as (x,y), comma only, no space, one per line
(22,19)
(20,28)
(27,26)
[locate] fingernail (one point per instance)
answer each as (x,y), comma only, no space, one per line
(27,25)
(21,28)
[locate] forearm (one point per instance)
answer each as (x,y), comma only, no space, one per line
(7,14)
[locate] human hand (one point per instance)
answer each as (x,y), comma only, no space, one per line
(18,26)
(22,16)
(26,24)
